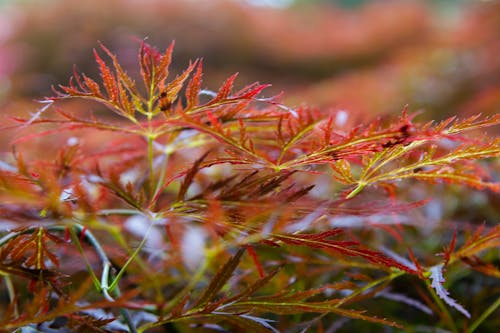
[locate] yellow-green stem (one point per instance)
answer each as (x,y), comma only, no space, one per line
(447,316)
(132,257)
(12,294)
(484,315)
(152,183)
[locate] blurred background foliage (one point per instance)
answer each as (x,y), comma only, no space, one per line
(365,56)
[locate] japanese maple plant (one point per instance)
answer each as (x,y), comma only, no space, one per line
(170,207)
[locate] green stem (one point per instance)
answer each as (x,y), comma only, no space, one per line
(106,273)
(447,316)
(357,190)
(484,315)
(152,183)
(132,257)
(120,239)
(118,211)
(161,179)
(370,285)
(76,241)
(191,284)
(179,297)
(12,294)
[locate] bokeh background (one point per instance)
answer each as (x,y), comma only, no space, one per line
(370,57)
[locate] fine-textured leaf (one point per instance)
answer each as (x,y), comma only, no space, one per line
(33,249)
(225,89)
(108,79)
(254,287)
(173,88)
(188,179)
(219,279)
(193,88)
(304,307)
(348,248)
(478,243)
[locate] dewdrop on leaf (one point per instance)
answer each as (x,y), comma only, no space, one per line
(193,247)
